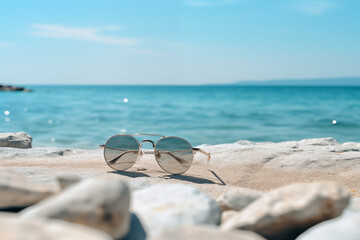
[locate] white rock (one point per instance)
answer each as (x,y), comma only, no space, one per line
(228,214)
(207,233)
(286,212)
(316,154)
(98,203)
(67,179)
(45,153)
(319,142)
(15,140)
(166,206)
(18,191)
(345,227)
(355,203)
(13,228)
(237,199)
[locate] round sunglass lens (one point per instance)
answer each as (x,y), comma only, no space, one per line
(121,152)
(174,155)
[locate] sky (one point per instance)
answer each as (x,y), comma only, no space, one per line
(177,41)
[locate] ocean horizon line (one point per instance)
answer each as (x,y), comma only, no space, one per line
(283,82)
(191,86)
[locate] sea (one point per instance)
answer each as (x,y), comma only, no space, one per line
(86,116)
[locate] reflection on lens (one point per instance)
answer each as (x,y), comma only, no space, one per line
(121,152)
(174,155)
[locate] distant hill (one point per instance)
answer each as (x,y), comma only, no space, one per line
(353,81)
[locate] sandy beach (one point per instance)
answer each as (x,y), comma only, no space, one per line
(293,186)
(259,166)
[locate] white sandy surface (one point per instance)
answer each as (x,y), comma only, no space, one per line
(260,166)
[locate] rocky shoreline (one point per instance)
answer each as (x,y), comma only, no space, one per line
(301,190)
(10,88)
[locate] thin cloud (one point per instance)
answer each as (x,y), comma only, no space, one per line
(209,3)
(314,7)
(82,34)
(6,44)
(140,51)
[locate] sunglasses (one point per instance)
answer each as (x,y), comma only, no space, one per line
(173,154)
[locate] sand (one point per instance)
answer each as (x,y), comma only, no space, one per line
(260,166)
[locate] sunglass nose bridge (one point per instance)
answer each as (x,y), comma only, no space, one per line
(143,152)
(153,144)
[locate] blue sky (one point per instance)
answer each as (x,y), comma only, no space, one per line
(177,41)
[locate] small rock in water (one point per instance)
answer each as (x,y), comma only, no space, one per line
(286,212)
(167,206)
(13,228)
(237,199)
(9,88)
(18,191)
(207,233)
(15,140)
(99,203)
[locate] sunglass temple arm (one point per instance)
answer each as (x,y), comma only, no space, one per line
(205,153)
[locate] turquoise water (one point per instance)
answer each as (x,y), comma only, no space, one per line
(85,116)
